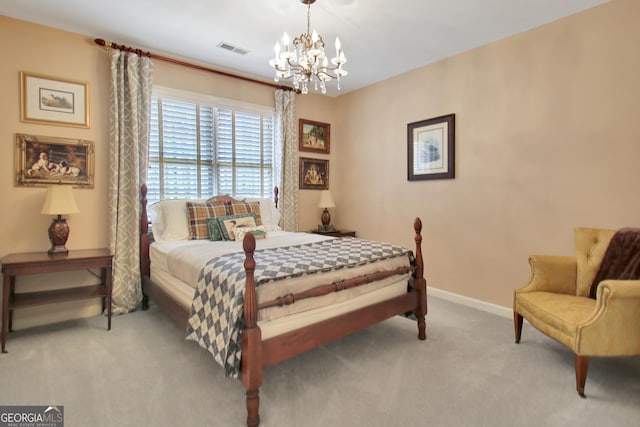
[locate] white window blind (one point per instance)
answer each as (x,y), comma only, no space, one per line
(199,149)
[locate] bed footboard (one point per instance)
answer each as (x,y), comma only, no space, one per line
(257,354)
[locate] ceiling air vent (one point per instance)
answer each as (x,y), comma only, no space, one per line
(232,48)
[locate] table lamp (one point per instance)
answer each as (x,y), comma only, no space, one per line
(59,201)
(326,202)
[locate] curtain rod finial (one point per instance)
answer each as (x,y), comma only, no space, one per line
(101,42)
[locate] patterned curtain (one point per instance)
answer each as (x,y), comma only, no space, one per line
(286,159)
(129,120)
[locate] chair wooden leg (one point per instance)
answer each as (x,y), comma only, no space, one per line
(517,326)
(582,366)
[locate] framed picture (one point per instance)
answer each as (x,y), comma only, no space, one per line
(50,160)
(431,148)
(314,174)
(53,101)
(314,136)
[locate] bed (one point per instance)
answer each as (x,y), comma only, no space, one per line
(282,295)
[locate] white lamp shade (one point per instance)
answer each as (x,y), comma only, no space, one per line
(59,201)
(326,200)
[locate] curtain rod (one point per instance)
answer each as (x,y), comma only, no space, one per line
(140,52)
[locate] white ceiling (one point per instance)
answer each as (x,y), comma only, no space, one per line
(381,38)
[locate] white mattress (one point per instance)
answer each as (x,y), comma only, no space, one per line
(175,267)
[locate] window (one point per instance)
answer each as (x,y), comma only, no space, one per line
(202,146)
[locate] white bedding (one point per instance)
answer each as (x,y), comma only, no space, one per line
(175,265)
(185,258)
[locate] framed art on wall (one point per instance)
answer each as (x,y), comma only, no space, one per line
(431,148)
(52,160)
(314,136)
(314,174)
(53,101)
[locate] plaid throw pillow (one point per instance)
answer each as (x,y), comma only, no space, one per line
(239,208)
(199,213)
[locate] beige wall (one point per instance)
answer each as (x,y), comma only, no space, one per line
(43,50)
(546,140)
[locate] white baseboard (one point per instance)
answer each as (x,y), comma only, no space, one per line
(471,302)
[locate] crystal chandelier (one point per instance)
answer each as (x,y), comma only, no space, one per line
(305,62)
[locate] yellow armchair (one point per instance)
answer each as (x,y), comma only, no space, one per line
(556,302)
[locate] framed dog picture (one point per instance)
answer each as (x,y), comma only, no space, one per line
(314,136)
(314,174)
(52,160)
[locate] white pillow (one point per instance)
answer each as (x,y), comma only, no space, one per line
(269,214)
(170,219)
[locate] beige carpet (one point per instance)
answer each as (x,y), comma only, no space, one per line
(469,372)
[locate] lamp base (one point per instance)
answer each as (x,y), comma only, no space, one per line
(325,217)
(58,235)
(326,226)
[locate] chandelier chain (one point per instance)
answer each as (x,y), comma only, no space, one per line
(308,17)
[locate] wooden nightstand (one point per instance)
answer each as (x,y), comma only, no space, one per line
(336,233)
(41,262)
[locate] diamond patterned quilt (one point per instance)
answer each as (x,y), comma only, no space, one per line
(216,318)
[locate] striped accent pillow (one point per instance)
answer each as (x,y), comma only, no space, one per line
(199,213)
(239,208)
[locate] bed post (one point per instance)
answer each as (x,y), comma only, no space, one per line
(276,191)
(419,283)
(251,337)
(145,265)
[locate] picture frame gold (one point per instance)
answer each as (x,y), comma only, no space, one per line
(43,160)
(314,174)
(314,136)
(431,148)
(53,100)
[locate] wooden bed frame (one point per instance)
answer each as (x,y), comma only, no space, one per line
(258,354)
